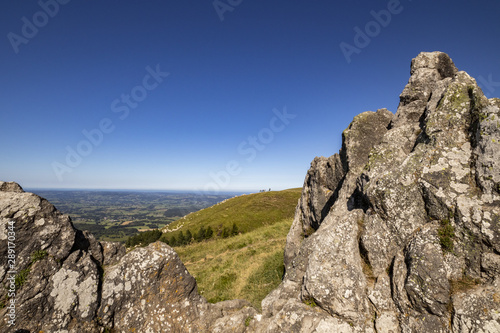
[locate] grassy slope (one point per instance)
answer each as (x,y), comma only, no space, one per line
(249,265)
(249,212)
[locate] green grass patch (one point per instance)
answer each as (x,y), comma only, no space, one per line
(21,277)
(247,321)
(247,266)
(311,302)
(446,233)
(38,255)
(265,278)
(464,284)
(246,212)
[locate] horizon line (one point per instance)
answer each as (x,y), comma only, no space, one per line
(193,191)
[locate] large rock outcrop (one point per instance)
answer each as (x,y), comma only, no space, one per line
(398,232)
(64,280)
(407,239)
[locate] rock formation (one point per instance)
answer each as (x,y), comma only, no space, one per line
(408,232)
(399,232)
(66,281)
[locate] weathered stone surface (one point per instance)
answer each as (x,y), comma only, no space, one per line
(10,187)
(296,317)
(426,284)
(112,252)
(365,131)
(477,310)
(73,291)
(414,214)
(334,275)
(130,298)
(34,216)
(490,264)
(105,253)
(488,147)
(57,268)
(237,316)
(327,176)
(318,194)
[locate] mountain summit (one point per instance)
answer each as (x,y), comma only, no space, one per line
(398,232)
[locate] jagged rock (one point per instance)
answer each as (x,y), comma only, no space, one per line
(74,289)
(143,279)
(414,213)
(57,268)
(426,283)
(67,281)
(398,232)
(237,316)
(85,241)
(34,216)
(297,317)
(318,194)
(10,187)
(56,285)
(380,296)
(327,176)
(112,252)
(105,253)
(490,264)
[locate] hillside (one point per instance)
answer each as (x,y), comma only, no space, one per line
(244,266)
(247,266)
(247,212)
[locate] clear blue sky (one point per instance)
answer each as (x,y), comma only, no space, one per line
(209,124)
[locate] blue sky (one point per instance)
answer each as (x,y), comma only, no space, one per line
(226,95)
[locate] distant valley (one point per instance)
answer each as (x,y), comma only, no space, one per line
(116,215)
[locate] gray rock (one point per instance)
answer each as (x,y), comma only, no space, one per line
(74,291)
(477,310)
(415,211)
(112,252)
(487,148)
(327,176)
(318,195)
(490,264)
(10,187)
(426,283)
(38,226)
(105,253)
(142,280)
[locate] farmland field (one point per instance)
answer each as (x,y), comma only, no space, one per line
(116,215)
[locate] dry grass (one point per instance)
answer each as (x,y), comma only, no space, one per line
(464,284)
(247,266)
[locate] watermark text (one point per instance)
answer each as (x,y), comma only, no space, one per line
(120,106)
(248,149)
(30,28)
(487,84)
(11,274)
(373,28)
(223,6)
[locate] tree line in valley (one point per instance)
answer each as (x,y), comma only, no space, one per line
(147,237)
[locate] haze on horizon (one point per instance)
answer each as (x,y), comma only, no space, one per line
(221,96)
